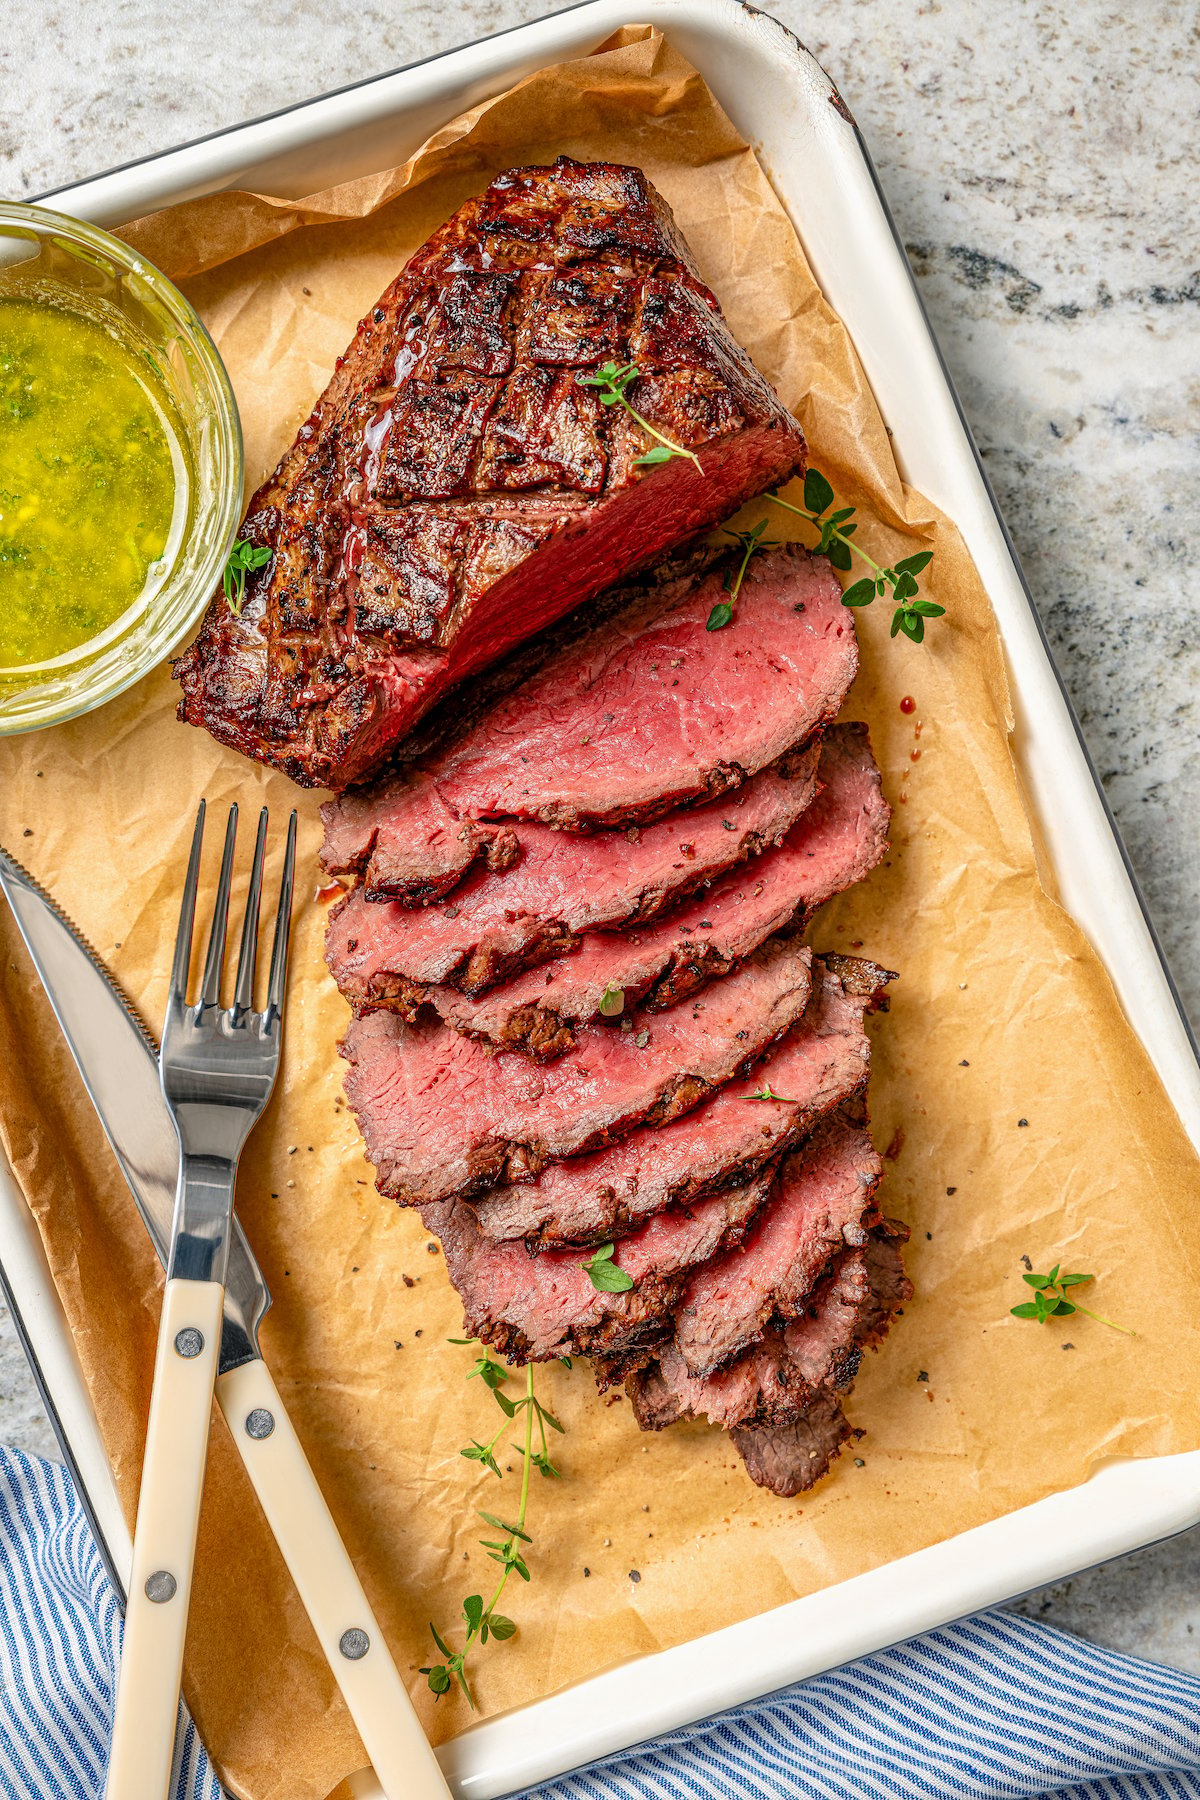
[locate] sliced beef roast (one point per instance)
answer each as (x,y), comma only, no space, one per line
(494,924)
(442,1115)
(820,1064)
(822,1200)
(779,1377)
(534,1307)
(456,487)
(649,711)
(789,1459)
(837,841)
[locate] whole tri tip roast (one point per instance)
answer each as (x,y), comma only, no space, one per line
(457,487)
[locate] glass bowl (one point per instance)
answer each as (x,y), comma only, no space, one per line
(47,256)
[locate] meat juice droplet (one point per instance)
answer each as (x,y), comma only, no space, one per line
(908,704)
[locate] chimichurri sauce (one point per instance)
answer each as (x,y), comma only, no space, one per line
(87,478)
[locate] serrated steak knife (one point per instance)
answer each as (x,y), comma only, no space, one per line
(118,1061)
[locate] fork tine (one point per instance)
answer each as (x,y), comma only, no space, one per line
(243,999)
(187,911)
(210,992)
(283,926)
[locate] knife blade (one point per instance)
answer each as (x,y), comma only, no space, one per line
(118,1060)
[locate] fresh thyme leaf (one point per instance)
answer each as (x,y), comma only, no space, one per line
(548,1418)
(838,554)
(473,1611)
(438,1640)
(513,1531)
(242,558)
(612,1001)
(604,1274)
(438,1679)
(719,617)
(611,381)
(500,1627)
(817,492)
(1050,1301)
(912,565)
(861,594)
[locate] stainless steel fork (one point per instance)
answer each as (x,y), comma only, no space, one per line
(218,1067)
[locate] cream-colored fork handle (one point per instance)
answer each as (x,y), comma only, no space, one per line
(319,1565)
(164,1541)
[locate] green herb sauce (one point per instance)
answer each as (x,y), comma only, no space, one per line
(88,478)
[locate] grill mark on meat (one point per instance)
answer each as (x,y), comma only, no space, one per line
(443,1116)
(531,1308)
(821,1063)
(649,711)
(836,842)
(825,1192)
(454,490)
(495,924)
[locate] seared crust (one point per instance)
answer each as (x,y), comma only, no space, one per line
(456,489)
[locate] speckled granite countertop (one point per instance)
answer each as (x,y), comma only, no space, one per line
(1040,161)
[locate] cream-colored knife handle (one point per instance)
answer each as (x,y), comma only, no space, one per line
(317,1559)
(164,1541)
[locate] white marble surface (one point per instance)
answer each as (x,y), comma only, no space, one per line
(1040,160)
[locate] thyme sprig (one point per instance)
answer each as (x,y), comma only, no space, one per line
(767,1092)
(1050,1300)
(750,541)
(242,558)
(480,1617)
(837,530)
(611,381)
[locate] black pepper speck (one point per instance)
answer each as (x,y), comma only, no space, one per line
(923,1375)
(1021,1122)
(635,1575)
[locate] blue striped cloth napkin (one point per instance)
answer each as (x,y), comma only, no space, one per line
(996,1708)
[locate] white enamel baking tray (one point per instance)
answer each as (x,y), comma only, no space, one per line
(784,104)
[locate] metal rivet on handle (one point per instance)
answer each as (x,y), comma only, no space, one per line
(189,1341)
(260,1423)
(161,1586)
(354,1644)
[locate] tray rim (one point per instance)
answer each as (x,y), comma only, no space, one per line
(1141,1502)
